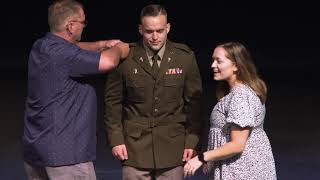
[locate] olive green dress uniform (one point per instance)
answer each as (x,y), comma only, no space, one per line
(155,115)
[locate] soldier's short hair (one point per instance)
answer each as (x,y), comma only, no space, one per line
(153,10)
(60,11)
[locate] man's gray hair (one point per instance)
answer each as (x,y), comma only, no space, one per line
(60,11)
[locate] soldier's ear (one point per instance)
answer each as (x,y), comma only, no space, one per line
(140,29)
(168,27)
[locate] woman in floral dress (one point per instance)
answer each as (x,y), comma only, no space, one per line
(238,146)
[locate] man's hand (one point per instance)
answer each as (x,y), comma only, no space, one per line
(124,47)
(106,44)
(188,154)
(120,152)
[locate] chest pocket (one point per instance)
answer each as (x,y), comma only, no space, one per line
(136,85)
(173,87)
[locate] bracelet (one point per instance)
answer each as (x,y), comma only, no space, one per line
(201,158)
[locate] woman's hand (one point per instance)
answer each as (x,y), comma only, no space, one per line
(191,166)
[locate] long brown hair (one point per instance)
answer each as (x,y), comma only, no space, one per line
(246,73)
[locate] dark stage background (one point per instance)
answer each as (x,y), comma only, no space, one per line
(283,39)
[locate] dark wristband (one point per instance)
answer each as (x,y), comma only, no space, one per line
(201,158)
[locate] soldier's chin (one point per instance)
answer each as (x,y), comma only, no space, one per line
(155,48)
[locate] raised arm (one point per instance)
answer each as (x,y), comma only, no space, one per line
(98,46)
(110,58)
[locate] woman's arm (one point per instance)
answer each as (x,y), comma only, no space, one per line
(236,146)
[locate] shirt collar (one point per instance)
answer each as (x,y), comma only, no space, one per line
(55,37)
(150,53)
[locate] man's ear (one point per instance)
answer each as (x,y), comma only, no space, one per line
(140,29)
(69,28)
(168,27)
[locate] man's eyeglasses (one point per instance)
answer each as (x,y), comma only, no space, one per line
(84,22)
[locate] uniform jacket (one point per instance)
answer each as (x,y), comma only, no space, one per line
(155,116)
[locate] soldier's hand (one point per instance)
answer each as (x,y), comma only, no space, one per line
(120,152)
(188,154)
(124,47)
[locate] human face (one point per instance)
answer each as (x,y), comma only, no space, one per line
(77,24)
(223,68)
(154,30)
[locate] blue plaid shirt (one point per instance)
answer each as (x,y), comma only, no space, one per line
(61,107)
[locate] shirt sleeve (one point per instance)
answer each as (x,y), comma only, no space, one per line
(241,110)
(84,63)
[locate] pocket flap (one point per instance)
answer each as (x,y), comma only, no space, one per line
(170,82)
(176,130)
(133,131)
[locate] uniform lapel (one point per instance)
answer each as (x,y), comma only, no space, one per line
(166,60)
(140,57)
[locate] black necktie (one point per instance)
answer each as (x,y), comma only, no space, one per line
(155,66)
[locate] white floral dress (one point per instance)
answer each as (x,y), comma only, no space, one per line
(243,108)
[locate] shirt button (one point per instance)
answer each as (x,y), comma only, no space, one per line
(155,110)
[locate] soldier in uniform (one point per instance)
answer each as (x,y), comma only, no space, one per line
(153,102)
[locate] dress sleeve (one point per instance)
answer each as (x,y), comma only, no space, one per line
(241,109)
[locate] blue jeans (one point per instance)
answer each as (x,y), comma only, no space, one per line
(82,171)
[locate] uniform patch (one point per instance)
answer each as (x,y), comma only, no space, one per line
(174,71)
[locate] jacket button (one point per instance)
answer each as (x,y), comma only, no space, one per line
(156,110)
(156,98)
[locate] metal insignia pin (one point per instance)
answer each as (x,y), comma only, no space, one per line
(141,59)
(135,71)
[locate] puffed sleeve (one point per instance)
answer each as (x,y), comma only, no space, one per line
(241,108)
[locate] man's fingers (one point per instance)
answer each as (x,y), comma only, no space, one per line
(184,157)
(188,155)
(124,152)
(119,155)
(118,152)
